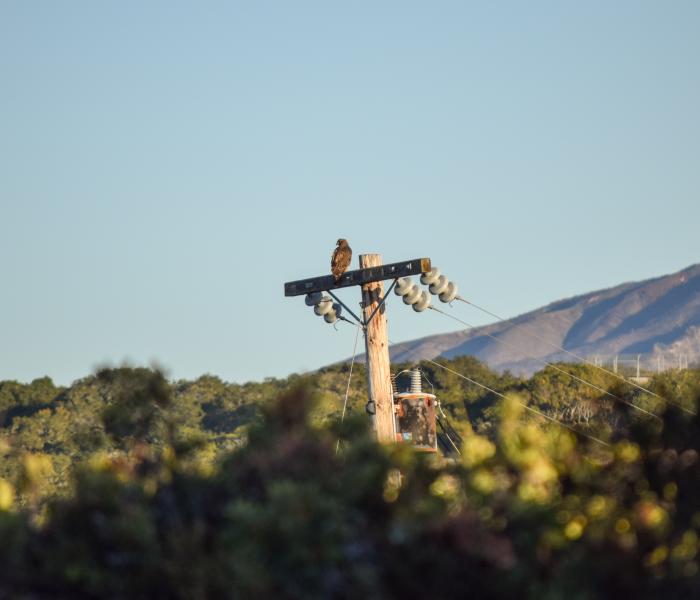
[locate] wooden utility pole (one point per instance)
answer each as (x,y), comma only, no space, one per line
(377,354)
(370,277)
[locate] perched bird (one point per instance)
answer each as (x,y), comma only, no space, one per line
(340,261)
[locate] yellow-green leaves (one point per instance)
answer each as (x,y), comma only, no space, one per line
(7,495)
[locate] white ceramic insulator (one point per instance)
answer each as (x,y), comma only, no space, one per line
(313,299)
(440,285)
(324,307)
(416,381)
(412,296)
(450,293)
(403,285)
(423,303)
(430,277)
(334,314)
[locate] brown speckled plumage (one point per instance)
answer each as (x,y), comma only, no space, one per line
(341,259)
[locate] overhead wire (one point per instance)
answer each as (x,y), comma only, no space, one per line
(447,435)
(447,425)
(474,382)
(553,366)
(347,387)
(524,405)
(529,408)
(573,354)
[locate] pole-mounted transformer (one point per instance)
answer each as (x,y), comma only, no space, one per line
(415,416)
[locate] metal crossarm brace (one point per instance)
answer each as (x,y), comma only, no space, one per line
(381,302)
(339,301)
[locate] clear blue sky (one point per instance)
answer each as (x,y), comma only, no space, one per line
(166,166)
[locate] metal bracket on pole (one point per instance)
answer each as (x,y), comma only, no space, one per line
(381,302)
(339,301)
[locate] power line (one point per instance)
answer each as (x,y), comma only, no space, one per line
(447,291)
(529,408)
(481,385)
(553,366)
(445,426)
(347,388)
(447,435)
(533,410)
(573,354)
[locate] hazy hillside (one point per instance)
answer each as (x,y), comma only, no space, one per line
(652,317)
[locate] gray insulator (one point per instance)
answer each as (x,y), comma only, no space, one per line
(403,285)
(440,285)
(323,307)
(416,384)
(412,296)
(423,303)
(337,309)
(450,293)
(313,299)
(430,277)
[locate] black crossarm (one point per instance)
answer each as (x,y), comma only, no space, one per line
(406,268)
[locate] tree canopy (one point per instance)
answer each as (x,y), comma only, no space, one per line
(127,485)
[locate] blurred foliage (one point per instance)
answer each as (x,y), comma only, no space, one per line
(126,485)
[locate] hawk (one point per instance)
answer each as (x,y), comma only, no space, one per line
(340,261)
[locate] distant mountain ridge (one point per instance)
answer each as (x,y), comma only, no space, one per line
(651,317)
